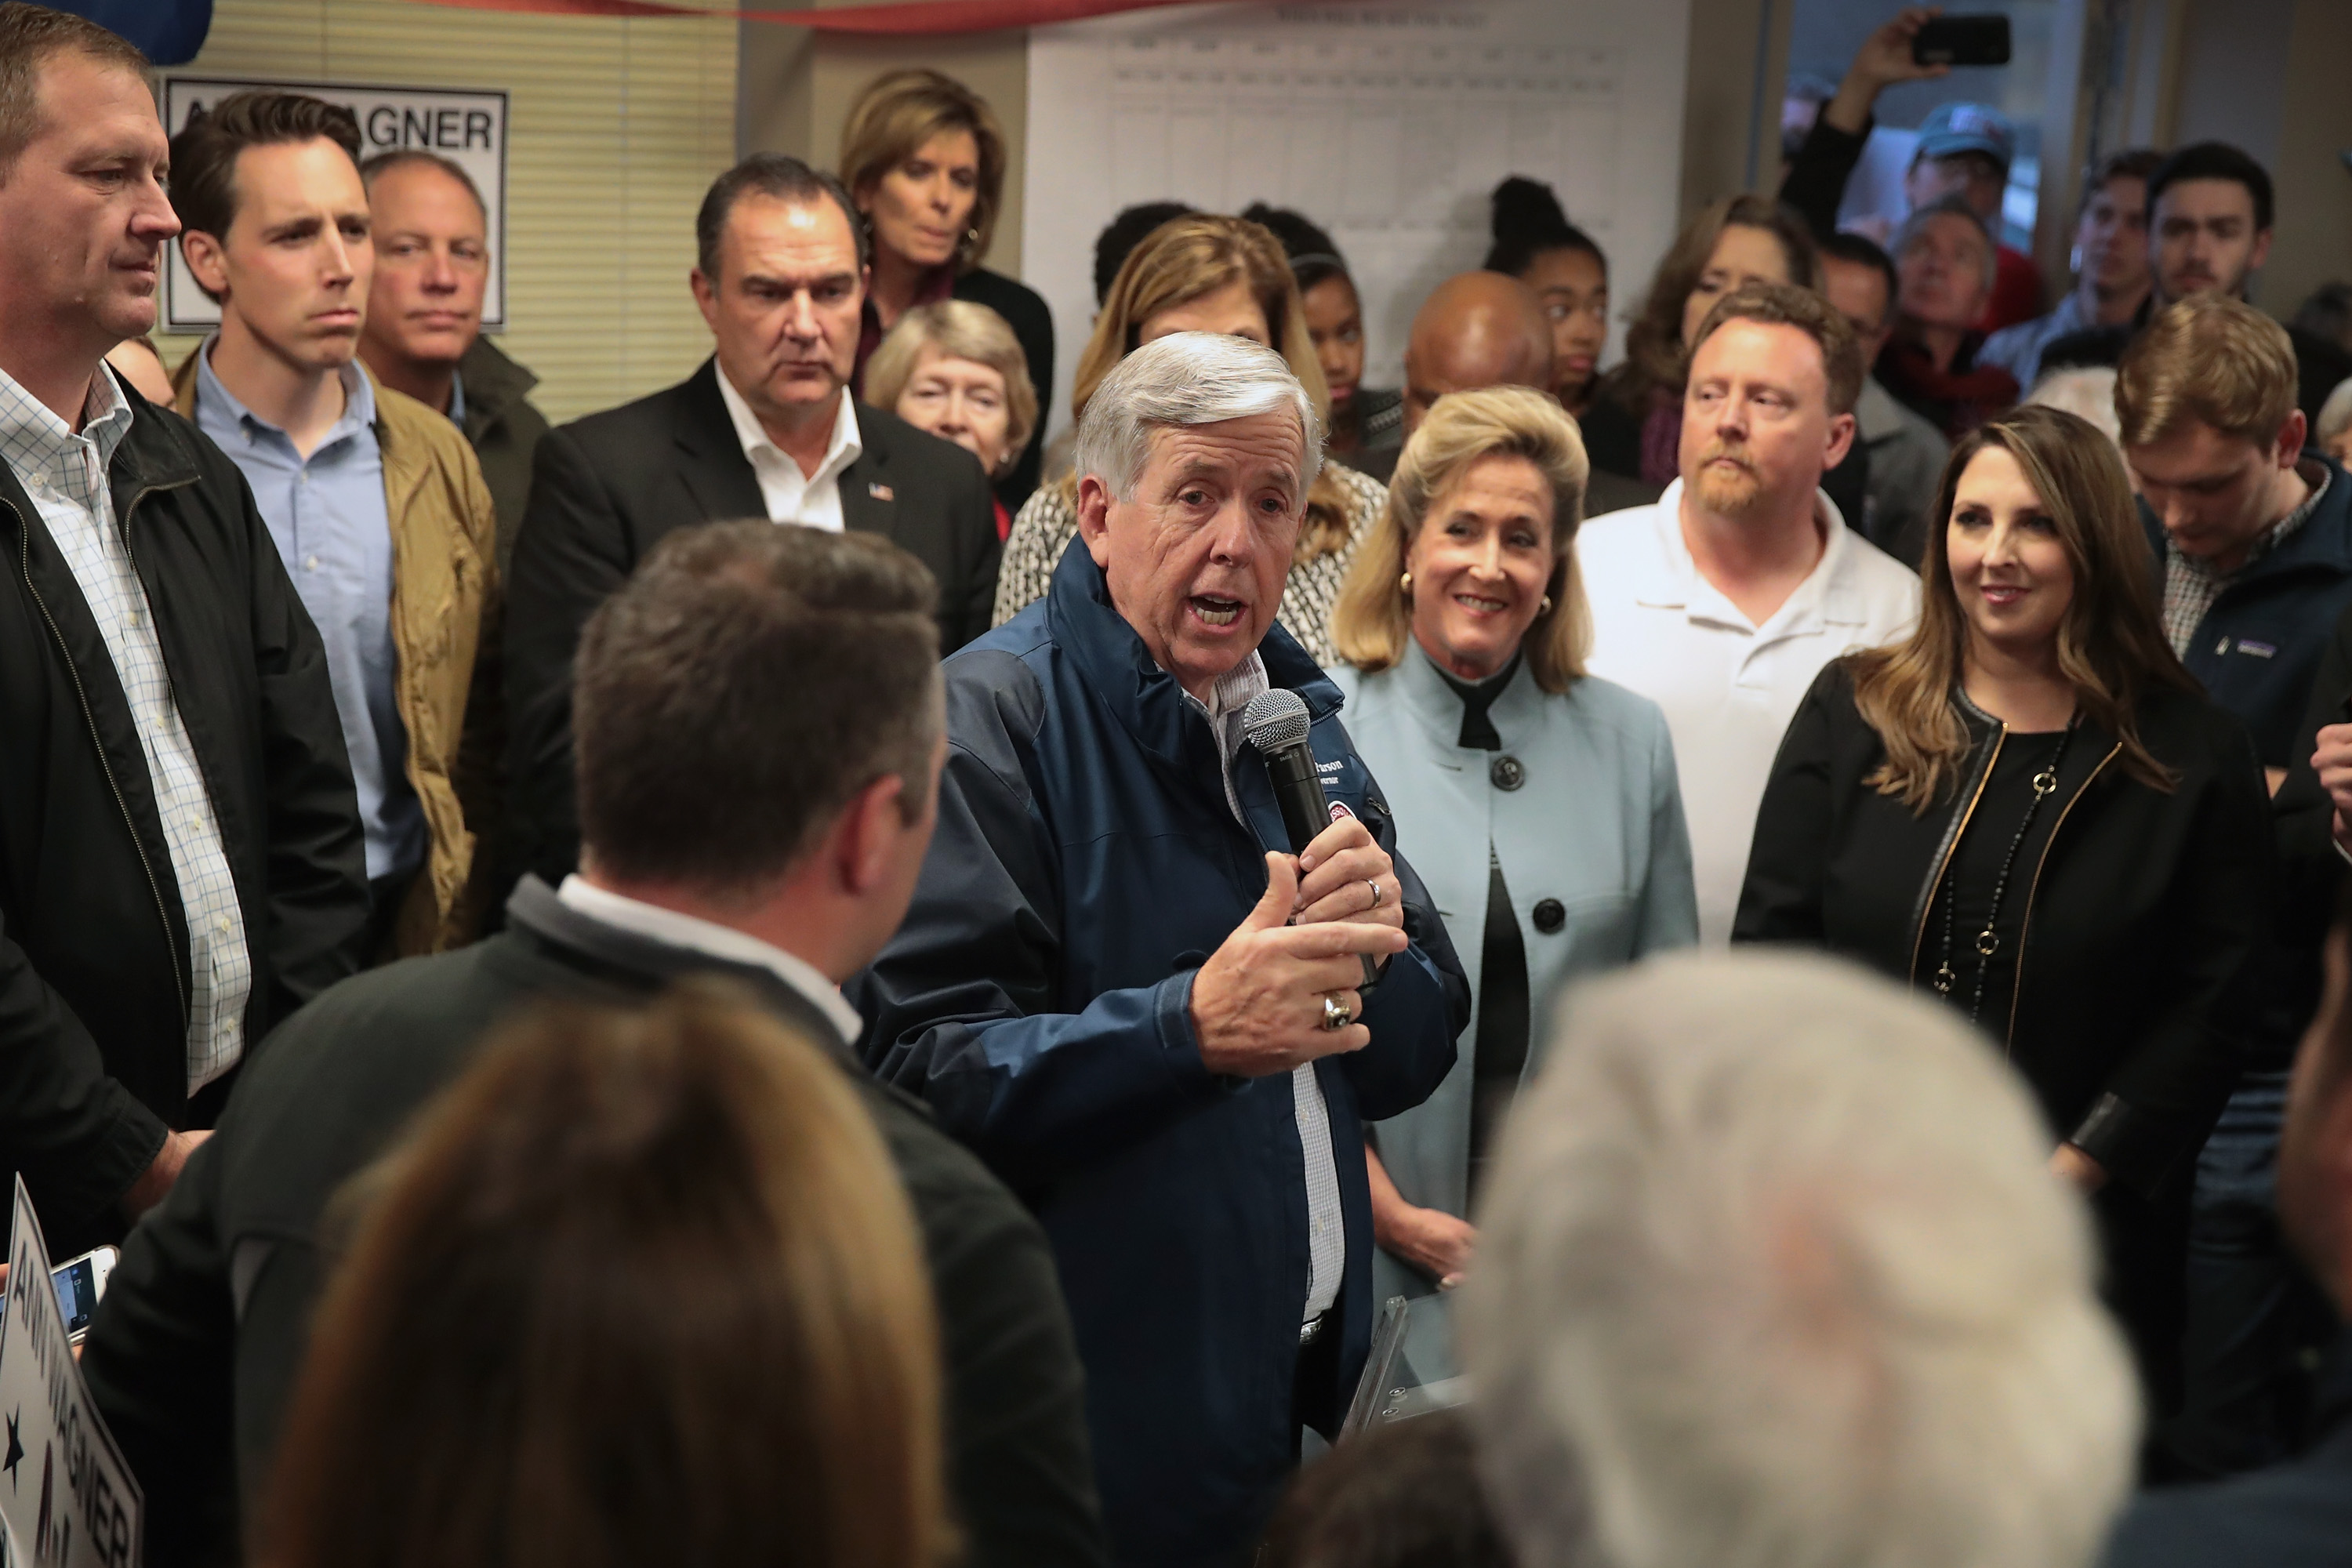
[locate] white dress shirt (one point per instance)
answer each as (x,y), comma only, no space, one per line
(1327,1237)
(65,475)
(1729,686)
(698,935)
(814,500)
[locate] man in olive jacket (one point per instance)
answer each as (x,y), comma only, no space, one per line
(736,822)
(180,844)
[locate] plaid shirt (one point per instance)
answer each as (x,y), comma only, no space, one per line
(2191,585)
(65,475)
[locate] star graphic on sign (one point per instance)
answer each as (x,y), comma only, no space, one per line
(16,1448)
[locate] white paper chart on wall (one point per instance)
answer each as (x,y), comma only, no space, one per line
(1387,124)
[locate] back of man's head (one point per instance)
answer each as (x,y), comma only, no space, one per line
(738,690)
(1475,330)
(2209,360)
(31,37)
(1773,1257)
(2213,160)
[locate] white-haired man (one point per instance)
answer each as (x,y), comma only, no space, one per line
(1118,987)
(1772,1254)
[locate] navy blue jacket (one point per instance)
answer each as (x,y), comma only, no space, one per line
(2258,648)
(2295,1515)
(1038,996)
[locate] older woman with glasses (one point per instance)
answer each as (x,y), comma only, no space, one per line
(1540,802)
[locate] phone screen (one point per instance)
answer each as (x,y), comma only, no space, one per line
(77,1284)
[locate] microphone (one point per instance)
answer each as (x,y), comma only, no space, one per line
(1275,722)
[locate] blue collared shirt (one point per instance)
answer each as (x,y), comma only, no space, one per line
(327,515)
(456,400)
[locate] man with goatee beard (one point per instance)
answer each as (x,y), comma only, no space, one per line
(1724,600)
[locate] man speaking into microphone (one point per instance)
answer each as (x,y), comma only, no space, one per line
(1120,988)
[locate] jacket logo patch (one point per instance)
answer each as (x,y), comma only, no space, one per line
(2259,649)
(1339,810)
(880,492)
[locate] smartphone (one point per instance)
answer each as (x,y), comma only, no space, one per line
(1980,40)
(80,1281)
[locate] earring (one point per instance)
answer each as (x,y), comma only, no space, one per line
(1544,608)
(1405,583)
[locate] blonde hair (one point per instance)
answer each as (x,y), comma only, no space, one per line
(2111,642)
(960,329)
(1182,260)
(642,1284)
(1372,622)
(2212,359)
(897,112)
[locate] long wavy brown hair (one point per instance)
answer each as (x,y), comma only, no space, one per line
(642,1285)
(2111,642)
(1185,260)
(1656,358)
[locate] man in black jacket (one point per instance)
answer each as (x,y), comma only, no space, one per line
(180,845)
(2297,1514)
(767,428)
(740,818)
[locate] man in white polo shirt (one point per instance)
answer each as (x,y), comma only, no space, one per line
(1722,602)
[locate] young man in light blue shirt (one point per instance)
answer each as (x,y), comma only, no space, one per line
(376,505)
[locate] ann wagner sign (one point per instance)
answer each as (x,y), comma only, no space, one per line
(469,129)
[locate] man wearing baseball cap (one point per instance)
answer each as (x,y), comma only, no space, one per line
(1964,148)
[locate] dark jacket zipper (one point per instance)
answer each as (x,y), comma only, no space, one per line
(1943,853)
(2033,891)
(179,976)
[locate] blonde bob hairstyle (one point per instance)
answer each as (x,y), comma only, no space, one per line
(1372,622)
(897,113)
(2111,642)
(958,329)
(1188,259)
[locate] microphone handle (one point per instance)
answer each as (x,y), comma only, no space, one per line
(1298,789)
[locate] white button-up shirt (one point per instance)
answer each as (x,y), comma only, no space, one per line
(1326,1240)
(1729,686)
(65,475)
(791,496)
(698,935)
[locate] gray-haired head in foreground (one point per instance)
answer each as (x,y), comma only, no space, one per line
(1183,379)
(1772,1257)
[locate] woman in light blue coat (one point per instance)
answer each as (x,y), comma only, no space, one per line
(1539,804)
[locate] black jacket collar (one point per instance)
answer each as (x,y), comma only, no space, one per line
(537,914)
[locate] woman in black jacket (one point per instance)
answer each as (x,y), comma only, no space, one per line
(2029,808)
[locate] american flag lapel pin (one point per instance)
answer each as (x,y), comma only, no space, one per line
(880,492)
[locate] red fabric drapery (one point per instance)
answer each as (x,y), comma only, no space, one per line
(899,17)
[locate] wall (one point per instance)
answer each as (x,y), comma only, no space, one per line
(796,87)
(1731,131)
(617,127)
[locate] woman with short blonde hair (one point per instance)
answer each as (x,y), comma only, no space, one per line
(642,1285)
(954,369)
(1539,804)
(923,157)
(2028,809)
(1215,274)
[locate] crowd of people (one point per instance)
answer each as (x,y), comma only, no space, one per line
(791,971)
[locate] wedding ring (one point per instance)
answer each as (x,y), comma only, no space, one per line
(1375,887)
(1335,1016)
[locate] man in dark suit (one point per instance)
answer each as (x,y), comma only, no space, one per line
(2297,1514)
(768,831)
(766,428)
